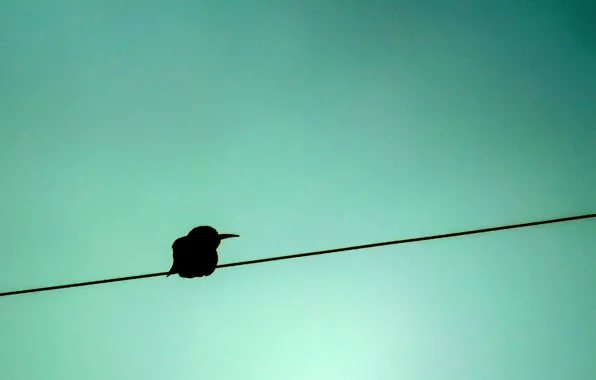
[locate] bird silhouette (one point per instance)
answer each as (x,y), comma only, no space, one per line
(195,255)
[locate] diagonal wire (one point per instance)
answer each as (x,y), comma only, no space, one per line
(298,255)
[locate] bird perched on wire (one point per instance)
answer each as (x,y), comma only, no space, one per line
(195,255)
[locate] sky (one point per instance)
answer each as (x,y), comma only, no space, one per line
(299,125)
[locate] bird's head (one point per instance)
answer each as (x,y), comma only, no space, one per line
(209,234)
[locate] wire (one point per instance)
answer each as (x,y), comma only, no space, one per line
(351,248)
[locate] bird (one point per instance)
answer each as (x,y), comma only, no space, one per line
(195,255)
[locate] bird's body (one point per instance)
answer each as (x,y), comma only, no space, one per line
(195,255)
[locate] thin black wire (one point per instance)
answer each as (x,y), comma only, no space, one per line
(258,261)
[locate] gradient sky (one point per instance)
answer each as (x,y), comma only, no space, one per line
(300,125)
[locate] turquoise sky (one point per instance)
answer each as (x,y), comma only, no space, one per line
(299,125)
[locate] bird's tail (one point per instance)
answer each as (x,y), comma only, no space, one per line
(172,271)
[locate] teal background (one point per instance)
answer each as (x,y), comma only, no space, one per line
(299,125)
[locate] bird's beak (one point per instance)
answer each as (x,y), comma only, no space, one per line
(225,236)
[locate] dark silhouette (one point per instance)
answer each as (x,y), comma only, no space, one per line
(316,253)
(195,255)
